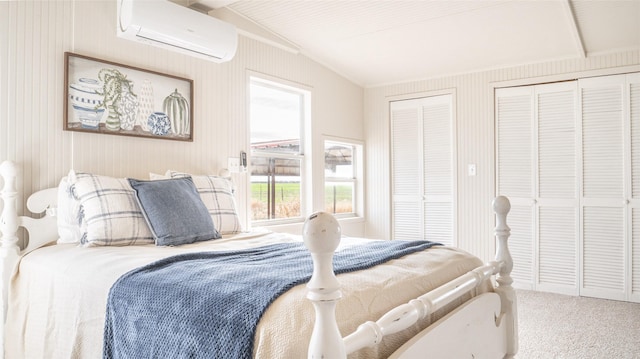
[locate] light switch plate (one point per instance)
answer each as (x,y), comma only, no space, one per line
(472,169)
(233,164)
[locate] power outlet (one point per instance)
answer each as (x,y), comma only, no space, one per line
(233,164)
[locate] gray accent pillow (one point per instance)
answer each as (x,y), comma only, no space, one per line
(174,211)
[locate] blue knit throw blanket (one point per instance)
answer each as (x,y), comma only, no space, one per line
(207,304)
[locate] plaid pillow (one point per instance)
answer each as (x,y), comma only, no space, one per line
(110,211)
(217,195)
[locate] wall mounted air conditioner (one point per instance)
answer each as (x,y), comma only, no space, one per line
(171,26)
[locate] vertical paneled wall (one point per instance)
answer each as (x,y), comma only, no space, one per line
(35,34)
(475,139)
(34,37)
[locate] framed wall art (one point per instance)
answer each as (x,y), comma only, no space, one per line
(110,98)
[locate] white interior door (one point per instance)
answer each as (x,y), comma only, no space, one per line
(604,204)
(406,162)
(536,168)
(557,187)
(568,156)
(514,111)
(438,168)
(423,169)
(633,87)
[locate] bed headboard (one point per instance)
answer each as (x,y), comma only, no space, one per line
(41,230)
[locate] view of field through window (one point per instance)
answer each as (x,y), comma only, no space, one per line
(275,188)
(274,197)
(338,199)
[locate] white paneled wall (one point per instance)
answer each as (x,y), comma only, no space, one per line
(475,138)
(34,37)
(35,34)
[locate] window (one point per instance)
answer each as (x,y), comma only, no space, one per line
(277,116)
(341,171)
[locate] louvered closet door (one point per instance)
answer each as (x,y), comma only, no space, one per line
(422,169)
(514,111)
(438,166)
(633,87)
(603,187)
(557,188)
(406,162)
(536,164)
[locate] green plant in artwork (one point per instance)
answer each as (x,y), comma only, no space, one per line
(115,87)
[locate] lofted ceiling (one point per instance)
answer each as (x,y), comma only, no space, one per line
(376,42)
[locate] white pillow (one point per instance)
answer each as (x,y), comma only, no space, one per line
(110,210)
(217,195)
(68,214)
(156,176)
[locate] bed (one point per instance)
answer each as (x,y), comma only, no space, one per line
(57,296)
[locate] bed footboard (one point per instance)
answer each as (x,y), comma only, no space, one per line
(321,235)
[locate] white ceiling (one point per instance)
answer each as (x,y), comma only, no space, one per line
(375,42)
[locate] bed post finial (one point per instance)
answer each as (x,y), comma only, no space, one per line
(502,206)
(321,234)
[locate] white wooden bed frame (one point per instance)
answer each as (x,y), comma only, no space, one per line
(482,327)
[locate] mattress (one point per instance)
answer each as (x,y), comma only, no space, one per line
(58,296)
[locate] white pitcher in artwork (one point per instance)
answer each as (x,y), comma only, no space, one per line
(145,105)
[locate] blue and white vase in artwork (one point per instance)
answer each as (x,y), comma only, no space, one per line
(159,123)
(87,102)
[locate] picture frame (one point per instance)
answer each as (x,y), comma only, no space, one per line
(110,98)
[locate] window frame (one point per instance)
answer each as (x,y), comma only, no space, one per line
(305,95)
(356,180)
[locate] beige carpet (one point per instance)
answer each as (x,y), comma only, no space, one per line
(554,326)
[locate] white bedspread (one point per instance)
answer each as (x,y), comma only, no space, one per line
(58,297)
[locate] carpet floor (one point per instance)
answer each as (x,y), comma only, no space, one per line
(554,326)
